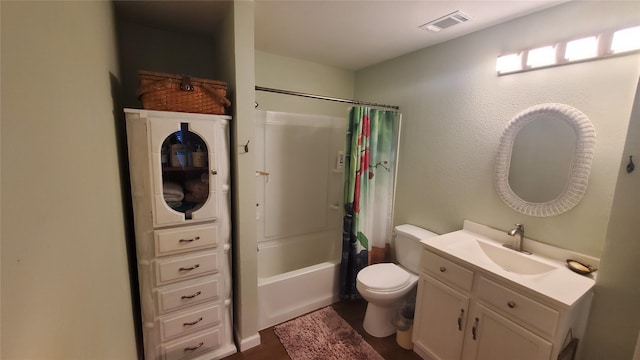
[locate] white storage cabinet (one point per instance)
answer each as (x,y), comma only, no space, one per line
(181,208)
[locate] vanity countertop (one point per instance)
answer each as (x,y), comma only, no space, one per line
(544,272)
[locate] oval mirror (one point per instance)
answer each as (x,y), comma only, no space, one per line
(544,159)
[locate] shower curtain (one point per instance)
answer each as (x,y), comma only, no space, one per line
(371,145)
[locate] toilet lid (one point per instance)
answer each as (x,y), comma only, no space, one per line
(385,277)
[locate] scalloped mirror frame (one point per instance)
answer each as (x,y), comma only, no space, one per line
(580,164)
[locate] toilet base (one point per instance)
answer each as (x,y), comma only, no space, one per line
(378,320)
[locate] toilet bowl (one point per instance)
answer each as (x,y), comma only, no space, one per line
(384,285)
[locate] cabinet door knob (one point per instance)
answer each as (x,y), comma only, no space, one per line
(443,269)
(511,304)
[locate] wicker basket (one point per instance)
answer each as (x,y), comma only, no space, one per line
(170,92)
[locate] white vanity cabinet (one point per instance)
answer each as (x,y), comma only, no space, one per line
(496,337)
(465,313)
(181,209)
(440,319)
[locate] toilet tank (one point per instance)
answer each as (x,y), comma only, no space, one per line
(408,247)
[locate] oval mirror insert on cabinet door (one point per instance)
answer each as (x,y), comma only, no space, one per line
(184,181)
(544,159)
(184,171)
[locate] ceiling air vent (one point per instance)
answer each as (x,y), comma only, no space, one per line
(446,21)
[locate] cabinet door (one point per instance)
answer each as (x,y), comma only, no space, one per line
(493,337)
(440,319)
(184,170)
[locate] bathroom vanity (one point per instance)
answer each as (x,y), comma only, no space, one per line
(479,300)
(179,166)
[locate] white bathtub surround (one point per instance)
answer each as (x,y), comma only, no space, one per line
(276,257)
(298,211)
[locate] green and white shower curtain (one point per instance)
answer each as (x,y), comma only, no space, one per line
(369,180)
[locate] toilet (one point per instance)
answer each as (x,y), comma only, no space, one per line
(384,285)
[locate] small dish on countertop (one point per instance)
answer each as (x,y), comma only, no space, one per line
(580,268)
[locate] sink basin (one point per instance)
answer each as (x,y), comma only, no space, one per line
(482,251)
(513,261)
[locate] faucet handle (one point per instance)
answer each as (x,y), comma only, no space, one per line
(520,226)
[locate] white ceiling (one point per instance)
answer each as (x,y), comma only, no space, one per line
(349,34)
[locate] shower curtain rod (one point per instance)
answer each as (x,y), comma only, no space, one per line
(355,102)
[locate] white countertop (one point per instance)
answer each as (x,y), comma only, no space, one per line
(559,283)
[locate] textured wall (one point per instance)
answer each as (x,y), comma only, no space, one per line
(455,108)
(615,305)
(286,73)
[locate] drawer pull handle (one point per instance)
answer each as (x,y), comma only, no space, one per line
(192,323)
(193,348)
(460,319)
(189,240)
(443,269)
(511,304)
(474,329)
(189,268)
(190,296)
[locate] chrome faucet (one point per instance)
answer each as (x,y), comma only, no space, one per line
(517,240)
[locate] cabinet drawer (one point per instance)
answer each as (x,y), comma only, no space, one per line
(193,345)
(447,271)
(186,293)
(186,267)
(513,305)
(177,240)
(190,321)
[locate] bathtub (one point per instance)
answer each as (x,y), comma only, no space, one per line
(291,290)
(299,187)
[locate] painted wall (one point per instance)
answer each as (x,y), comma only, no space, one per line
(285,73)
(65,280)
(141,47)
(454,110)
(615,305)
(239,55)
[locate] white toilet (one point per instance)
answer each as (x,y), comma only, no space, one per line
(383,285)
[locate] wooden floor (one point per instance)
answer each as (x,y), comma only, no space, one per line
(353,312)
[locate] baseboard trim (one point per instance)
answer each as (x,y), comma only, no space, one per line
(248,342)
